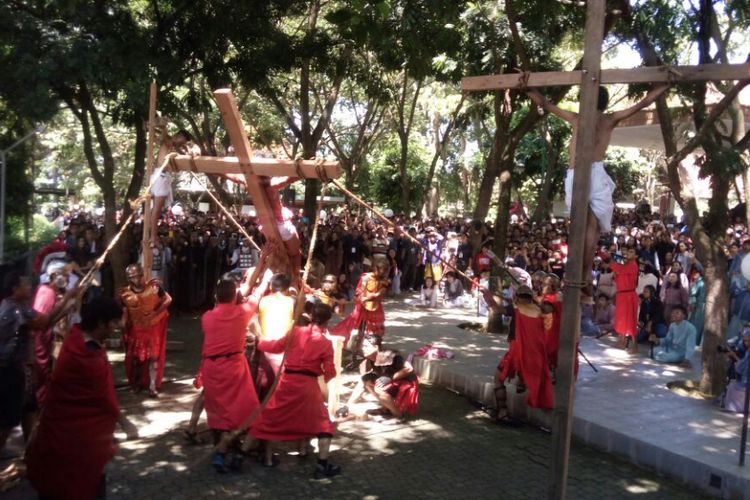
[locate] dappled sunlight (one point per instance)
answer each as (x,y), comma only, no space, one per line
(642,486)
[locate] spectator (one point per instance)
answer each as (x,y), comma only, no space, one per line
(673,295)
(678,345)
(428,294)
(651,316)
(454,291)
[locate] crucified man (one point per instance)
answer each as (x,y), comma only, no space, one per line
(601,206)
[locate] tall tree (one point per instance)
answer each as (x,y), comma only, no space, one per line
(721,159)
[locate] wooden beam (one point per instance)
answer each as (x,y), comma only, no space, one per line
(575,277)
(230,115)
(648,74)
(256,166)
(147,256)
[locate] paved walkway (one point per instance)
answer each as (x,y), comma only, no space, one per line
(452,450)
(625,408)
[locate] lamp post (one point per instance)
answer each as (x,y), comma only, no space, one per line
(3,175)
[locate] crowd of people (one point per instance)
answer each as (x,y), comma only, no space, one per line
(646,286)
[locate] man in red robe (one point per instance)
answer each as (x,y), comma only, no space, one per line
(144,330)
(73,442)
(228,390)
(626,301)
(296,410)
(532,360)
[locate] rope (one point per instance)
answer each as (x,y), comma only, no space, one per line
(298,309)
(390,223)
(298,168)
(224,209)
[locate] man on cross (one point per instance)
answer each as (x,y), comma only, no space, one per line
(601,205)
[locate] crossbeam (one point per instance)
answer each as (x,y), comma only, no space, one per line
(307,169)
(647,74)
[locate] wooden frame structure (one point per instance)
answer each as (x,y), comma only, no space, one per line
(589,78)
(243,163)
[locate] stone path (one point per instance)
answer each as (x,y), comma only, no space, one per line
(452,450)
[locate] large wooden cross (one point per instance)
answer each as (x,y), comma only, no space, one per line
(589,78)
(251,168)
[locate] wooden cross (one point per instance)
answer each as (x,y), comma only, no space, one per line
(589,78)
(251,168)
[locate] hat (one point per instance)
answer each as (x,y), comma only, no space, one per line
(524,290)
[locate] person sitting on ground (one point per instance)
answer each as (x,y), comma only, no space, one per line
(604,315)
(391,379)
(588,327)
(454,291)
(739,355)
(428,294)
(651,316)
(679,343)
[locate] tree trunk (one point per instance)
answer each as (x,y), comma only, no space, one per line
(503,208)
(403,172)
(491,171)
(717,315)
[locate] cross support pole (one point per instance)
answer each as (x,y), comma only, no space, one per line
(147,208)
(230,115)
(650,74)
(574,272)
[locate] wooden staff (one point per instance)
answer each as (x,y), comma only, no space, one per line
(147,229)
(224,209)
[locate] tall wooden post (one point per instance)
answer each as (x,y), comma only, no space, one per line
(147,206)
(574,271)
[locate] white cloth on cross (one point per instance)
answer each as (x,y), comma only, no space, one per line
(600,195)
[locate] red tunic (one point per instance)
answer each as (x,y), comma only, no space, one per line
(532,360)
(44,302)
(552,327)
(296,409)
(228,390)
(369,312)
(146,333)
(74,440)
(626,300)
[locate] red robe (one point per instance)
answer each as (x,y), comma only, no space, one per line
(369,312)
(626,300)
(74,440)
(228,390)
(296,409)
(44,343)
(552,327)
(146,334)
(532,360)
